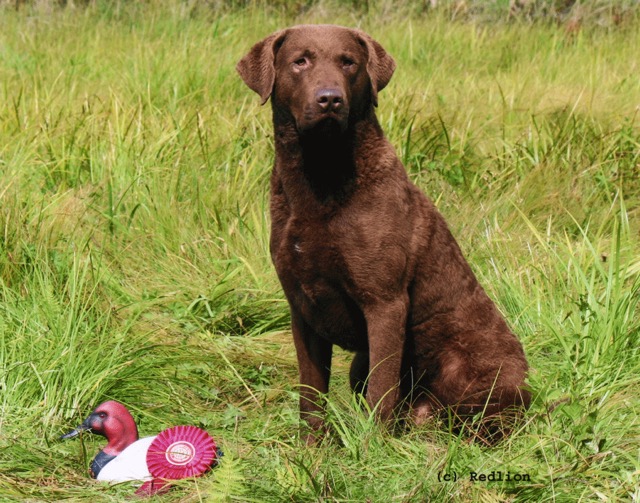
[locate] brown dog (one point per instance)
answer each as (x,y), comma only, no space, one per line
(365,259)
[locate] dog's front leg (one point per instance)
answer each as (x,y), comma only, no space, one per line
(314,364)
(386,326)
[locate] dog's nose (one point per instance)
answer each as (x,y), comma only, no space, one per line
(329,99)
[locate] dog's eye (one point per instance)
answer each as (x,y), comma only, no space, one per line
(301,62)
(348,63)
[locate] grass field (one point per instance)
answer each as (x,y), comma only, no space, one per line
(134,266)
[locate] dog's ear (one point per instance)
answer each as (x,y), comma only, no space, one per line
(380,65)
(257,67)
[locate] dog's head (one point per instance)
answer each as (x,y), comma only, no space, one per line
(322,76)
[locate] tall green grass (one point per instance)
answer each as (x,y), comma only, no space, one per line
(134,229)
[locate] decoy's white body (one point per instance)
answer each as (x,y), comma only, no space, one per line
(130,464)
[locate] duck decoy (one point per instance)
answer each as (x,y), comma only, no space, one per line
(175,453)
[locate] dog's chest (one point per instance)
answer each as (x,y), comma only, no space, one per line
(310,251)
(314,273)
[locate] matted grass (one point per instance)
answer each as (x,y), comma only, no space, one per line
(134,262)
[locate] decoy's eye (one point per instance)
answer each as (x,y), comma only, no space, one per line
(102,415)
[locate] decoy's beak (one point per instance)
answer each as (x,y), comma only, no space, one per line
(74,433)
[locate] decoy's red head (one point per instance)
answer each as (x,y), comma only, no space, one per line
(113,421)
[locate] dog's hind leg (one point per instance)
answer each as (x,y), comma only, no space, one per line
(359,372)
